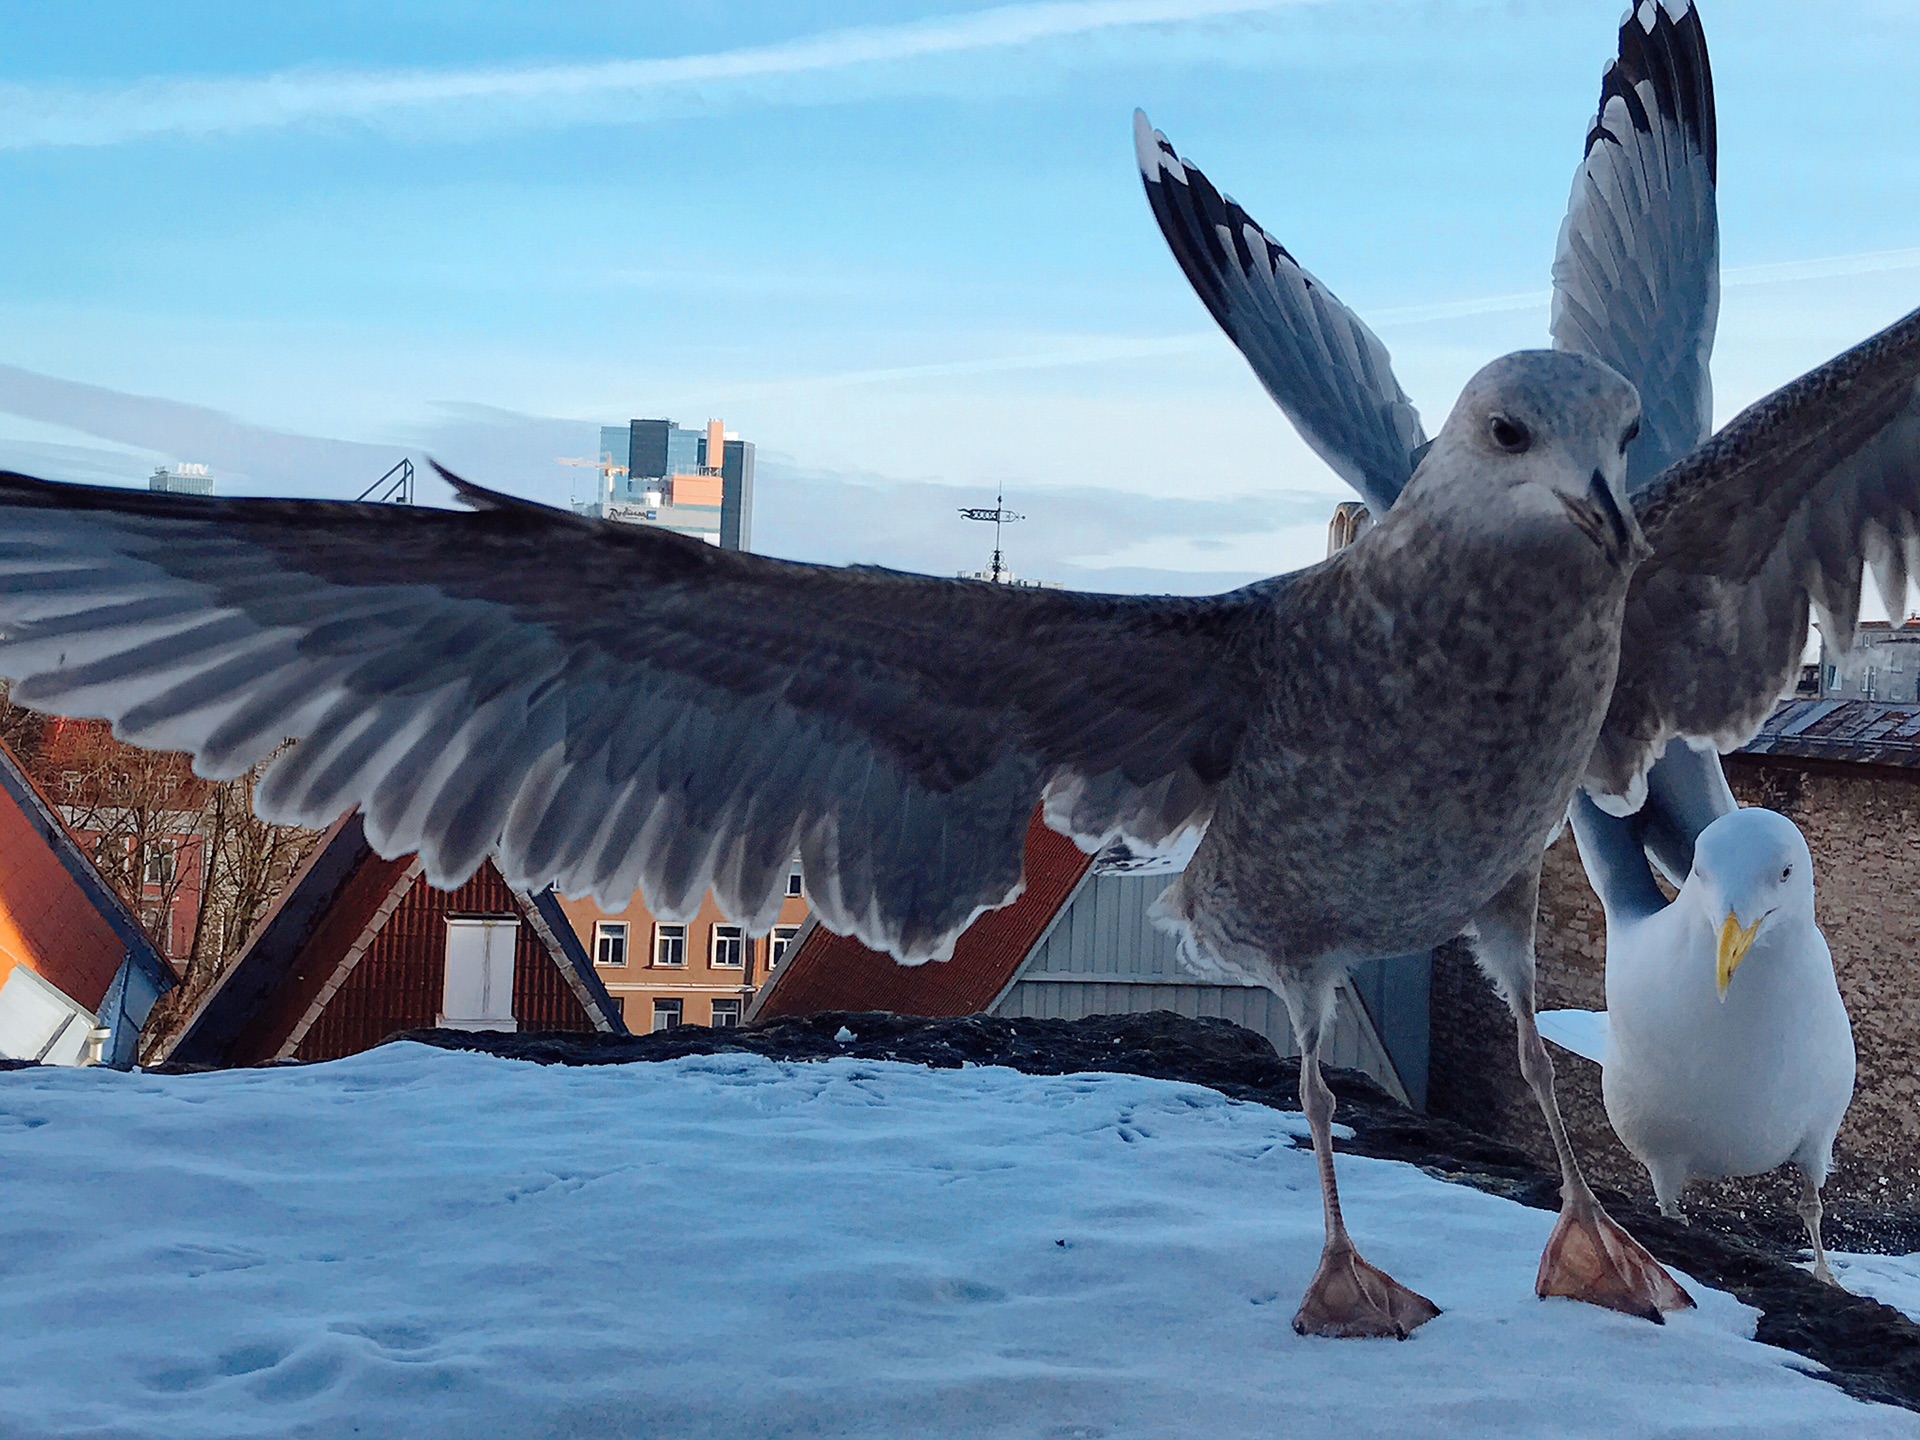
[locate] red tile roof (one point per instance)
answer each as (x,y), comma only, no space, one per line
(837,972)
(363,939)
(58,916)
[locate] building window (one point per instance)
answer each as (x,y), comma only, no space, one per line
(477,993)
(729,947)
(793,879)
(619,1007)
(159,869)
(670,948)
(70,782)
(782,938)
(726,1014)
(666,1015)
(610,942)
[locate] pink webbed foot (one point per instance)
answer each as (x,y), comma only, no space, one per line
(1590,1258)
(1350,1299)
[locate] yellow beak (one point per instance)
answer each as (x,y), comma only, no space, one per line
(1734,944)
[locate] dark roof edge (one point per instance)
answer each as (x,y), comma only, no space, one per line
(271,948)
(556,932)
(19,785)
(802,938)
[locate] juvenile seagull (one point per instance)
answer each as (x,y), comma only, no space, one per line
(1378,747)
(1636,284)
(1728,1048)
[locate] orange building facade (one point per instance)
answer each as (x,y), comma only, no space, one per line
(704,972)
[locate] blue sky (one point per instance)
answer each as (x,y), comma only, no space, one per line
(899,246)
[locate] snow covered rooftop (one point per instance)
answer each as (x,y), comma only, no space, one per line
(430,1243)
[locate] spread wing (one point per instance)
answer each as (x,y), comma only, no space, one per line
(1636,276)
(612,707)
(1636,284)
(1772,516)
(1325,369)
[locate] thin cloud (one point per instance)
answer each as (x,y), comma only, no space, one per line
(255,456)
(1831,267)
(32,117)
(1113,349)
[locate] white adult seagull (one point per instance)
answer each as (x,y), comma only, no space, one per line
(1727,1047)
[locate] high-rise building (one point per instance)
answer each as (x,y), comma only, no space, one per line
(181,480)
(695,482)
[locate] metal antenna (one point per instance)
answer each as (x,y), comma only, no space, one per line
(999,515)
(393,488)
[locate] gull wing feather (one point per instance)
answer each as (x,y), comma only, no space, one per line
(611,707)
(1636,284)
(1326,370)
(1636,274)
(1771,518)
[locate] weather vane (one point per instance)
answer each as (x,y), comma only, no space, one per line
(999,515)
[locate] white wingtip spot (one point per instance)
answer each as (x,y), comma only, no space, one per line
(1154,154)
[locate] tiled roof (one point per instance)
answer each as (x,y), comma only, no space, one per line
(837,972)
(343,887)
(58,915)
(1865,732)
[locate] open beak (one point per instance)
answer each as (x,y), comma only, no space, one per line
(1735,942)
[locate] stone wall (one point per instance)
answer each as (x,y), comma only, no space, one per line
(1863,824)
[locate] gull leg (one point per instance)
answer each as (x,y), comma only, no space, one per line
(1810,1212)
(1669,1183)
(1588,1256)
(1347,1298)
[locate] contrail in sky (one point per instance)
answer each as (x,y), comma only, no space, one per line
(1871,262)
(33,117)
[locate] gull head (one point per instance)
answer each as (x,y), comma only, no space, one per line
(1537,447)
(1752,872)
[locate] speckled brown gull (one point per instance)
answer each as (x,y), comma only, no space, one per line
(1378,747)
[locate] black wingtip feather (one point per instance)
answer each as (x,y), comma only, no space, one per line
(1667,51)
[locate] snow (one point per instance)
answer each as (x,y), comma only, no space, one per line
(1891,1279)
(422,1243)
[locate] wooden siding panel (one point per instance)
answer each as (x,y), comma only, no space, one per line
(1106,930)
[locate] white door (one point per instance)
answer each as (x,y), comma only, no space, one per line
(478,994)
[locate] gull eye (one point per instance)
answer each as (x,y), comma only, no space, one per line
(1510,435)
(1633,434)
(1784,874)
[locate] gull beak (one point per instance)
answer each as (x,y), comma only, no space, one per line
(1600,518)
(1735,942)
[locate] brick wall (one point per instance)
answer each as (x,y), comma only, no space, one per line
(1863,824)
